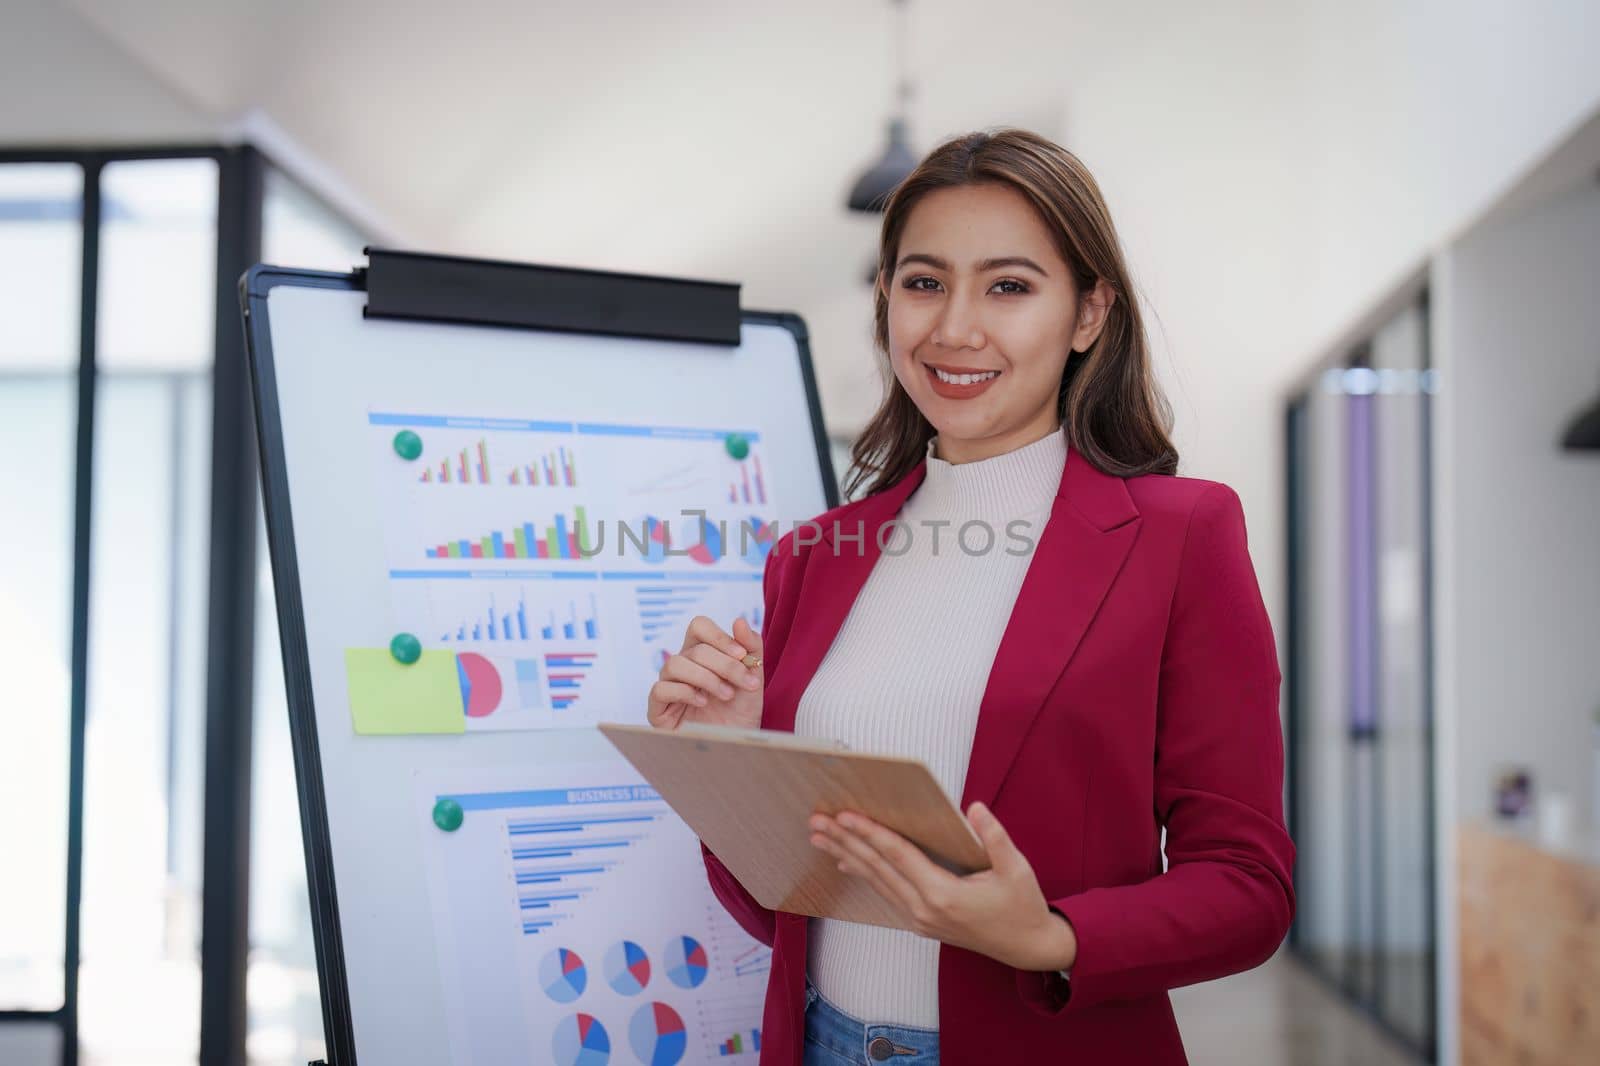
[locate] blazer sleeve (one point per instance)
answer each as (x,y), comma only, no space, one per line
(1225,902)
(760,922)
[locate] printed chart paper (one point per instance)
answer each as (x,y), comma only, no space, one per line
(576,925)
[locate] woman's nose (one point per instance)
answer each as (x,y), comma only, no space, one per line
(958,326)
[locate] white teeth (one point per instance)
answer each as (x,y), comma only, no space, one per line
(964,379)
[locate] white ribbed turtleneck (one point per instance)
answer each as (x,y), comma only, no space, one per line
(907,671)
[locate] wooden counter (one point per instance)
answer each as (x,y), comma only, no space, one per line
(1530,951)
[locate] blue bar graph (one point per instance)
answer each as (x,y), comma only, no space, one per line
(574,628)
(565,842)
(493,624)
(565,673)
(665,608)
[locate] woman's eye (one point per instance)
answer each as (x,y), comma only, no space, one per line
(911,283)
(1020,287)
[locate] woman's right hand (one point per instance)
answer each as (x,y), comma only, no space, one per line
(707,682)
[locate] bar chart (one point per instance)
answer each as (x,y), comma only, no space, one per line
(562,848)
(566,672)
(748,1041)
(666,607)
(556,468)
(563,538)
(470,466)
(507,623)
(749,486)
(572,626)
(494,622)
(730,1023)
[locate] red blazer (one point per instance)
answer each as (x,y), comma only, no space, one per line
(1136,688)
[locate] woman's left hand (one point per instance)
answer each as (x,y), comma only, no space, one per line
(1000,912)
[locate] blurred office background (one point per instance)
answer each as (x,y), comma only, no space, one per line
(1367,235)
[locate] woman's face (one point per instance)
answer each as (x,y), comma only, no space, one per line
(979,289)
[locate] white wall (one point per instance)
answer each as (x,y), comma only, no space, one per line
(1524,357)
(1518,592)
(64,83)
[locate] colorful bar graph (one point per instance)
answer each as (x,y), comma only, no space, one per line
(556,468)
(565,672)
(737,1044)
(470,466)
(564,539)
(751,487)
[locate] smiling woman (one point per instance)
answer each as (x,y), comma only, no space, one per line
(1113,681)
(998,257)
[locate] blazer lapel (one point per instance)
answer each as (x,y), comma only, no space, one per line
(834,575)
(1093,524)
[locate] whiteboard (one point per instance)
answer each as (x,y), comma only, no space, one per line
(491,882)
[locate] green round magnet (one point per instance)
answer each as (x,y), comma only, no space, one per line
(737,446)
(447,815)
(407,445)
(405,648)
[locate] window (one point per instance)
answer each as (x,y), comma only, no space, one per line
(152,582)
(140,973)
(1360,652)
(41,247)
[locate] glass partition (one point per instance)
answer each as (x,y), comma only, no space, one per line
(1360,719)
(41,247)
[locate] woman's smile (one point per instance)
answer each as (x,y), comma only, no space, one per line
(960,382)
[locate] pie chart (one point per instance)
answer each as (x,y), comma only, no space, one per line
(627,968)
(657,538)
(657,1035)
(685,960)
(756,539)
(563,975)
(709,550)
(581,1040)
(480,684)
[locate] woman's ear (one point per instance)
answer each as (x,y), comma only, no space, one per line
(1094,309)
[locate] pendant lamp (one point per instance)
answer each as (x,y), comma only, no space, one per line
(873,187)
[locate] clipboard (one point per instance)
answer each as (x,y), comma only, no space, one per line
(747,793)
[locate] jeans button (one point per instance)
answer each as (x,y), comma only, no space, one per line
(880,1048)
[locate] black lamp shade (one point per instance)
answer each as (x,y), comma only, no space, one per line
(872,189)
(1584,432)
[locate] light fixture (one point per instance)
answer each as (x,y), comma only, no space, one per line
(1583,435)
(873,187)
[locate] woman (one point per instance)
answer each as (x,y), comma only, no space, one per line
(1028,599)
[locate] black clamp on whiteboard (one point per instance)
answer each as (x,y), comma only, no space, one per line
(440,288)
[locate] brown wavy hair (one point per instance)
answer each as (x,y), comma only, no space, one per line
(1111,408)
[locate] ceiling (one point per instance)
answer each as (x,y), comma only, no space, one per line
(707,135)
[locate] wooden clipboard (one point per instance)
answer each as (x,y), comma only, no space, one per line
(747,793)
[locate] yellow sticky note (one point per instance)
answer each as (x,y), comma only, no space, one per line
(389,698)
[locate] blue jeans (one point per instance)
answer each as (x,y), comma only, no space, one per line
(834,1038)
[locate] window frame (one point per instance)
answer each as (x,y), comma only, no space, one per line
(230,599)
